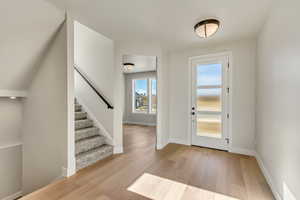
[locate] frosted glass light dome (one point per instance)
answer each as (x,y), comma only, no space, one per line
(206,28)
(128,66)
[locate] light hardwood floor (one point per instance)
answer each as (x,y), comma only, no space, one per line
(144,173)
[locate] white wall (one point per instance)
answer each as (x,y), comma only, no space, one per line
(10,171)
(243,92)
(129,116)
(94,55)
(11,121)
(45,117)
(10,146)
(147,48)
(278,85)
(26,27)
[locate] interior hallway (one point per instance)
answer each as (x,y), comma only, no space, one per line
(205,173)
(137,137)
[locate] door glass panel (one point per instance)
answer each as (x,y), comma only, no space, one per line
(209,99)
(209,125)
(210,74)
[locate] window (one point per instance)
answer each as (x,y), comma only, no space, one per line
(141,95)
(144,95)
(153,96)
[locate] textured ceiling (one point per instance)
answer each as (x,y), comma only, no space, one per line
(141,63)
(169,21)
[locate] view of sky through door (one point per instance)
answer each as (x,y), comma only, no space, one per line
(209,106)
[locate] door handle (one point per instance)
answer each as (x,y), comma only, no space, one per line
(227,140)
(193,111)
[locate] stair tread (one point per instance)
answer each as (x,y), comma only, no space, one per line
(80,115)
(90,138)
(90,145)
(86,132)
(83,123)
(102,147)
(86,129)
(83,120)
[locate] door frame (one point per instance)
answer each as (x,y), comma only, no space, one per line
(190,92)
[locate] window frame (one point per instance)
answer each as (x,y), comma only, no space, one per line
(150,95)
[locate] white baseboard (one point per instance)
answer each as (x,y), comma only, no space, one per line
(108,137)
(139,123)
(64,172)
(118,149)
(178,141)
(268,177)
(242,151)
(160,146)
(13,196)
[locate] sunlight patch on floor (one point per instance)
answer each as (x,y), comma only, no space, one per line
(158,188)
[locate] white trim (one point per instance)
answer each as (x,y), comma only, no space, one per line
(139,123)
(64,172)
(118,149)
(208,57)
(160,146)
(209,87)
(242,151)
(179,141)
(13,93)
(13,196)
(10,145)
(149,94)
(268,177)
(71,161)
(108,138)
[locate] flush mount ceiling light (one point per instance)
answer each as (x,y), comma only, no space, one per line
(128,66)
(206,28)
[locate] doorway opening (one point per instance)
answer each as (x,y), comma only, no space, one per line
(210,101)
(140,108)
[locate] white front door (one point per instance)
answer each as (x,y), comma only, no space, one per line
(210,102)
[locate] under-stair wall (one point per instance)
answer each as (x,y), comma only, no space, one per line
(94,57)
(10,147)
(26,27)
(46,117)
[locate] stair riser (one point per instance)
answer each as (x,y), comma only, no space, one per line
(86,133)
(93,158)
(88,144)
(80,115)
(77,108)
(83,124)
